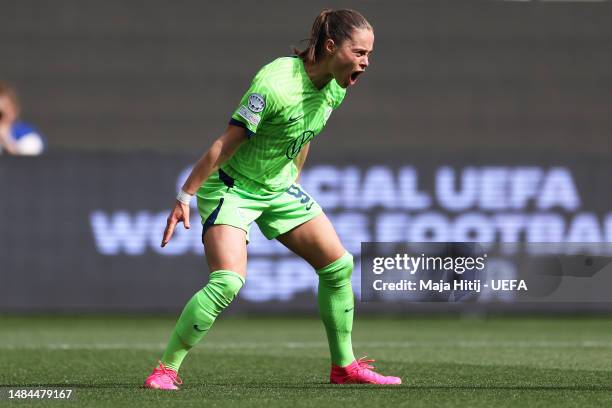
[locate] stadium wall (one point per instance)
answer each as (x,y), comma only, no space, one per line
(445,75)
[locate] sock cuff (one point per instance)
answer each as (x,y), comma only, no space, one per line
(223,273)
(344,261)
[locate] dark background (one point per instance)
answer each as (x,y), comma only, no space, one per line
(462,76)
(129,93)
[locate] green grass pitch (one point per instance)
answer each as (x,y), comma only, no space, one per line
(283,362)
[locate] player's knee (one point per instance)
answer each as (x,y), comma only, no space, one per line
(226,285)
(339,272)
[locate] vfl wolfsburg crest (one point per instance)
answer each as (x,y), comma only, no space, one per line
(294,147)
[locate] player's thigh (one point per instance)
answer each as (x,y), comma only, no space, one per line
(225,248)
(315,240)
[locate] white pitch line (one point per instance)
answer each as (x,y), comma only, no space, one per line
(307,345)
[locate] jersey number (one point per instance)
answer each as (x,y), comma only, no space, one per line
(298,193)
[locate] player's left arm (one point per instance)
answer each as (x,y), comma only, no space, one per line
(300,159)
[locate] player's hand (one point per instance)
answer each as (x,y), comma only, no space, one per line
(180,212)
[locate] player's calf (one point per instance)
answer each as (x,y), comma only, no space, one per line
(196,319)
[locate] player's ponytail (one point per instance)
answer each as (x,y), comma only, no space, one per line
(337,25)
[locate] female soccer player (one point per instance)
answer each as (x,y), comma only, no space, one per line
(250,174)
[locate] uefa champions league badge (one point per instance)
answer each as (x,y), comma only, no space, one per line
(256,103)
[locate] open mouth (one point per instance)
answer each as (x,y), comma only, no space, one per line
(354,75)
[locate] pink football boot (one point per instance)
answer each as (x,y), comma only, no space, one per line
(360,372)
(163,378)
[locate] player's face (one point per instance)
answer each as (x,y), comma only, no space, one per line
(352,57)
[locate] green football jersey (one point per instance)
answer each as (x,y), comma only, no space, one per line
(282,111)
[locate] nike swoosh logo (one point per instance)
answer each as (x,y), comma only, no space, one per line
(309,206)
(292,119)
(195,326)
(348,310)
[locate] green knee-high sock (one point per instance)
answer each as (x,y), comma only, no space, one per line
(200,313)
(336,304)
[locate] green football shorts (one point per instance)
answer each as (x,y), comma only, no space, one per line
(221,200)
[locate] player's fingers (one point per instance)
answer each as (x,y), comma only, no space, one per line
(168,231)
(186,216)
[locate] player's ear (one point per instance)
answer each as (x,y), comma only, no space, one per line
(330,46)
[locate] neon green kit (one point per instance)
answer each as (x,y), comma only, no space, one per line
(282,111)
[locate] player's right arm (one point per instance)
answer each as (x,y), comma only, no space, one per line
(219,152)
(257,105)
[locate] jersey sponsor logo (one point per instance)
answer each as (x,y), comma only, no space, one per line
(250,117)
(256,102)
(296,145)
